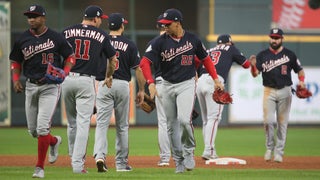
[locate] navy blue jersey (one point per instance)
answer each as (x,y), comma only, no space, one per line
(176,56)
(90,45)
(276,68)
(223,56)
(35,51)
(127,55)
(156,64)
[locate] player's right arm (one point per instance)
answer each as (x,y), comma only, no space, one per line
(145,65)
(16,71)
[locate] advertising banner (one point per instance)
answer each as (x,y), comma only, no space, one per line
(4,63)
(295,15)
(247,93)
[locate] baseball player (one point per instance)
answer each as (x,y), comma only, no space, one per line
(91,46)
(175,51)
(222,55)
(31,54)
(163,138)
(276,64)
(117,97)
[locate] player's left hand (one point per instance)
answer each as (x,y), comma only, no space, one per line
(17,86)
(218,85)
(302,84)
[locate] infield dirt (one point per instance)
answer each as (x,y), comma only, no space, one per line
(151,162)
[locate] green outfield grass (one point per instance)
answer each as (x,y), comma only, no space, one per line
(143,142)
(54,173)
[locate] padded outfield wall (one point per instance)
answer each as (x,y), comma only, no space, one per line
(248,21)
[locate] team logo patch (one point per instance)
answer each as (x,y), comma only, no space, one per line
(204,47)
(149,49)
(298,61)
(32,8)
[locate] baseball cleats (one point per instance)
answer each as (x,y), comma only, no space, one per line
(101,165)
(162,163)
(38,173)
(278,158)
(124,169)
(208,157)
(268,155)
(80,171)
(180,168)
(189,162)
(53,155)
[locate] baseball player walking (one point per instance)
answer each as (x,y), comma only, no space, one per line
(223,55)
(32,52)
(91,46)
(276,64)
(163,138)
(117,97)
(175,52)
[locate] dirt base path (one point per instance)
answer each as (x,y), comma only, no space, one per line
(151,162)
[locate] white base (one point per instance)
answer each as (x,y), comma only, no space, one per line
(226,161)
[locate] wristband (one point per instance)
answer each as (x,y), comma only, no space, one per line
(71,59)
(253,69)
(15,77)
(301,78)
(15,65)
(67,69)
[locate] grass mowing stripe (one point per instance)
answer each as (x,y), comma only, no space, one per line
(144,141)
(17,173)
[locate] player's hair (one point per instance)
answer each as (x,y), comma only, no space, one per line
(115,27)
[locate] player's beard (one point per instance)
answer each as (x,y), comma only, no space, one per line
(275,46)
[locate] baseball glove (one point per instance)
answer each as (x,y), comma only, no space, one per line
(222,97)
(54,75)
(302,92)
(148,104)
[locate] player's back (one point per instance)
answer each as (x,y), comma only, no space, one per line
(127,55)
(88,43)
(223,56)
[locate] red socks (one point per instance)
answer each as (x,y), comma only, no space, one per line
(53,140)
(43,145)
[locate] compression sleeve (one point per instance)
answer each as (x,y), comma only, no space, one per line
(69,63)
(145,64)
(246,64)
(16,69)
